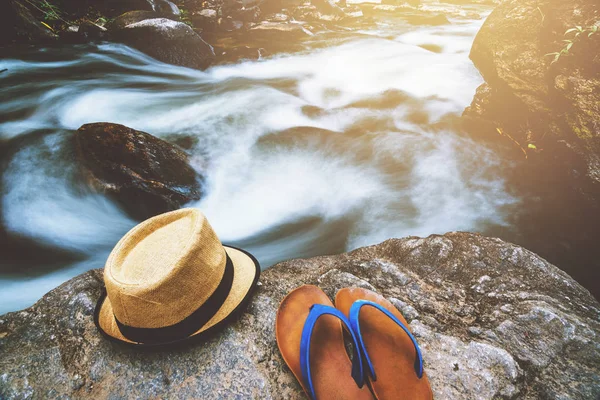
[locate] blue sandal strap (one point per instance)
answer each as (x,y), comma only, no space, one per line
(316,311)
(355,325)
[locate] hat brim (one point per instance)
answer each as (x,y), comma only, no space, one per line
(245,278)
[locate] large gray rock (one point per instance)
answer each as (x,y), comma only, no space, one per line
(493,319)
(554,107)
(166,40)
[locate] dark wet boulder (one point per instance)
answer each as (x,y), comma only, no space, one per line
(40,22)
(230,25)
(166,7)
(146,175)
(494,321)
(186,142)
(246,14)
(131,17)
(205,20)
(238,53)
(548,110)
(70,34)
(85,32)
(168,41)
(90,31)
(18,24)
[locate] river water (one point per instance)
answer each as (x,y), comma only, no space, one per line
(345,144)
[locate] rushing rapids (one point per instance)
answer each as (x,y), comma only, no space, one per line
(352,141)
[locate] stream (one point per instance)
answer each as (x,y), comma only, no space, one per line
(347,143)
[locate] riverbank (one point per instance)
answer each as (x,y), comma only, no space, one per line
(234,30)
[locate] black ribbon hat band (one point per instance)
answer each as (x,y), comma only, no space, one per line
(190,324)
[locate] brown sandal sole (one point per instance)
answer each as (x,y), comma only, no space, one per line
(331,367)
(390,349)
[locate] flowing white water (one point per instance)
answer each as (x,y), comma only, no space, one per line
(304,154)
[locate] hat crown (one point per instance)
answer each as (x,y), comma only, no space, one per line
(164,269)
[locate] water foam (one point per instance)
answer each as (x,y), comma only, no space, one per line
(304,154)
(40,201)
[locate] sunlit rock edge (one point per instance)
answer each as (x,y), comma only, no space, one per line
(493,319)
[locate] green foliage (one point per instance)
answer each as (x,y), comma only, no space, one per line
(101,21)
(185,16)
(577,31)
(51,12)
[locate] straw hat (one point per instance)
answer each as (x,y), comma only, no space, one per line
(170,279)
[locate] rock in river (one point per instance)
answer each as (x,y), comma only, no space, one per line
(146,175)
(131,17)
(493,319)
(205,20)
(279,31)
(550,109)
(166,40)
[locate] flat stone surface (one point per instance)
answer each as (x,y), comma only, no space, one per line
(493,320)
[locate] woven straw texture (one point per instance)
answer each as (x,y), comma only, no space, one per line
(245,271)
(165,268)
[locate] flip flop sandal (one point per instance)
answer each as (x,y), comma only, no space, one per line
(392,357)
(310,338)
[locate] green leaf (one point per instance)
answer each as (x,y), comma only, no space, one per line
(569,46)
(579,28)
(552,54)
(532,146)
(570,30)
